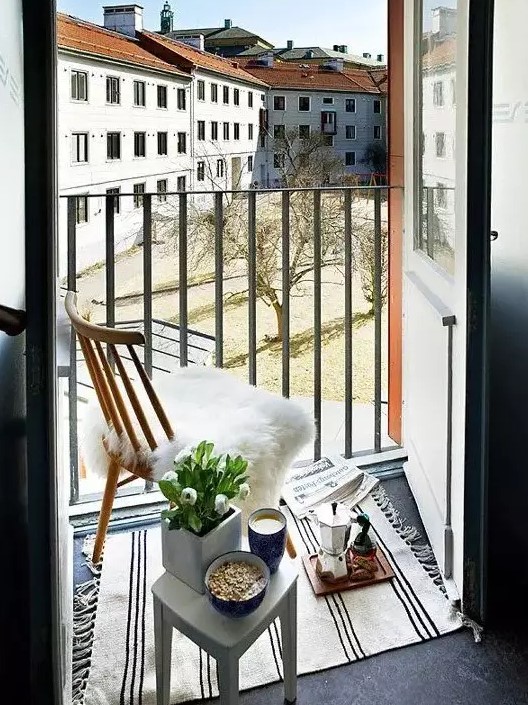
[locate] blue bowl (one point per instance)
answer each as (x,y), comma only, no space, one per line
(237,608)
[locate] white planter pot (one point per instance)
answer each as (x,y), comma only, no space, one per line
(187,556)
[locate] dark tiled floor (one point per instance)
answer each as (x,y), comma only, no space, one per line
(452,670)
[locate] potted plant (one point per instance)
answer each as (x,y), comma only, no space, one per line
(201,524)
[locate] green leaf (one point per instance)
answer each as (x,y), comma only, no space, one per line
(170,513)
(195,523)
(170,490)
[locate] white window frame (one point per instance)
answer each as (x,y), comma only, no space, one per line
(376,102)
(327,100)
(377,130)
(347,100)
(79,72)
(138,133)
(200,130)
(309,132)
(181,93)
(279,110)
(136,83)
(438,94)
(200,171)
(138,195)
(112,79)
(214,93)
(166,106)
(115,191)
(162,193)
(304,97)
(86,200)
(75,147)
(351,127)
(166,152)
(220,168)
(236,131)
(178,184)
(444,145)
(236,97)
(179,134)
(114,159)
(200,89)
(346,158)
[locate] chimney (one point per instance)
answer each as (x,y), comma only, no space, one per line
(334,65)
(267,59)
(381,58)
(343,49)
(336,47)
(125,19)
(366,55)
(197,41)
(289,44)
(228,24)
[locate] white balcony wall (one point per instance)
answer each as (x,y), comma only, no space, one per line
(96,117)
(364,119)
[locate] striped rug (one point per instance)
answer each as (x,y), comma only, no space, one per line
(114,653)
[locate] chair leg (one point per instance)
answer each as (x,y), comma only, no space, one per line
(106,510)
(290,547)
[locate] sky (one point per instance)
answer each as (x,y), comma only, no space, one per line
(360,24)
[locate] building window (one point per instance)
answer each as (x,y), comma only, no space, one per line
(329,122)
(162,188)
(263,140)
(438,94)
(250,163)
(350,105)
(139,93)
(350,158)
(79,147)
(220,168)
(113,93)
(328,140)
(140,149)
(377,132)
(304,104)
(250,99)
(440,144)
(278,160)
(279,132)
(139,190)
(162,96)
(79,85)
(226,95)
(181,183)
(201,130)
(441,196)
(236,131)
(304,132)
(328,101)
(81,209)
(250,132)
(201,90)
(214,92)
(226,130)
(279,102)
(117,201)
(182,143)
(162,144)
(236,96)
(200,171)
(182,99)
(214,131)
(350,132)
(377,106)
(113,145)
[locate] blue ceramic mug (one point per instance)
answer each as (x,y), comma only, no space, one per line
(267,536)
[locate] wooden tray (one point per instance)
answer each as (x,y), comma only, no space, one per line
(320,587)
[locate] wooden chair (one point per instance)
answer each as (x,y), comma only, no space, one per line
(115,409)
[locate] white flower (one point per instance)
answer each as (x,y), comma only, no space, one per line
(184,453)
(170,476)
(243,491)
(189,496)
(221,504)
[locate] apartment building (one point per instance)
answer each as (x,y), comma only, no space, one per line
(346,106)
(142,113)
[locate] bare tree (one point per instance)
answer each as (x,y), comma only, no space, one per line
(306,161)
(364,254)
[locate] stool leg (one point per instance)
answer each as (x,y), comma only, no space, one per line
(163,647)
(228,679)
(288,620)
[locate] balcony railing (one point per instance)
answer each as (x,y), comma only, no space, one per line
(283,243)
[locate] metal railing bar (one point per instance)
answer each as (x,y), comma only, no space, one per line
(252,287)
(430,215)
(147,282)
(219,280)
(182,294)
(348,325)
(110,261)
(322,189)
(72,382)
(377,320)
(317,322)
(286,294)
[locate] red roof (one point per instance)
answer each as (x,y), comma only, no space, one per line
(440,55)
(88,38)
(189,57)
(314,77)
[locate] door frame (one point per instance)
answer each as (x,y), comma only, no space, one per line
(39,36)
(480,105)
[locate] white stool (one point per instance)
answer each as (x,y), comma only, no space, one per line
(178,606)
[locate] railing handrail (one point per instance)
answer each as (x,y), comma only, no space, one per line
(232,192)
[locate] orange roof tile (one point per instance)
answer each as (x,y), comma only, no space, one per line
(185,55)
(442,54)
(77,35)
(314,77)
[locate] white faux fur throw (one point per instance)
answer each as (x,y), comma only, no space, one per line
(208,404)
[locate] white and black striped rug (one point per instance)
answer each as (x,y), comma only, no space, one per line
(114,652)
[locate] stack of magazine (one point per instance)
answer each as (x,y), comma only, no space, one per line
(330,479)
